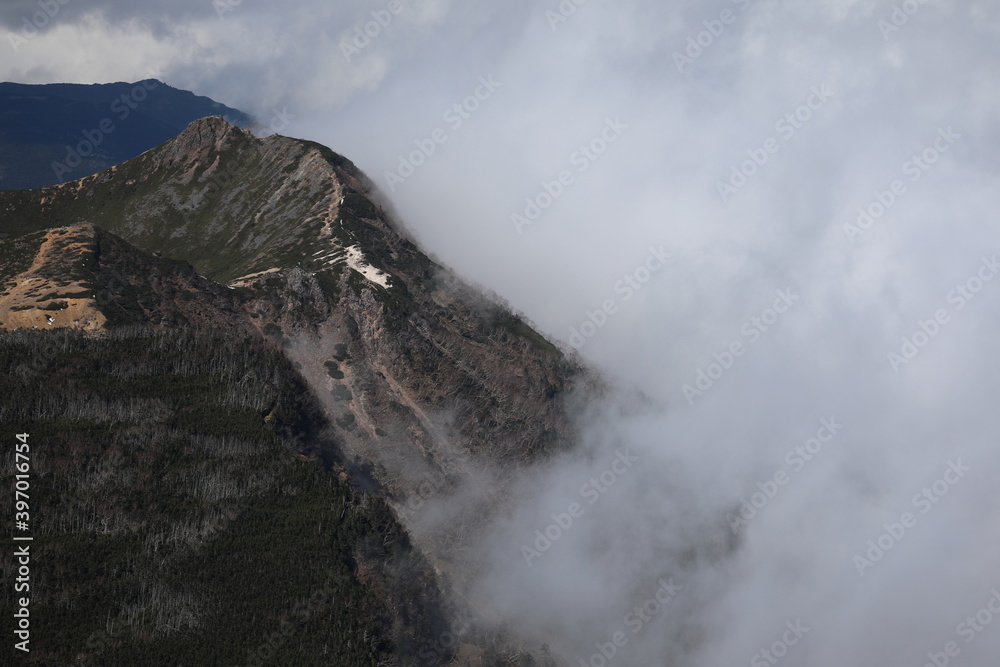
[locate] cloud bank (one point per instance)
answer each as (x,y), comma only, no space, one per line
(811,480)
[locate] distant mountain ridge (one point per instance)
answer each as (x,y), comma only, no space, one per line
(58,132)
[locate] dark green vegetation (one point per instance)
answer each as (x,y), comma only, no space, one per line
(135,287)
(17,255)
(511,323)
(45,124)
(180,514)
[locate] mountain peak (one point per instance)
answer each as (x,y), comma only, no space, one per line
(212,124)
(201,139)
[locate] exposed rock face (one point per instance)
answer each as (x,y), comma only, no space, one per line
(400,349)
(424,379)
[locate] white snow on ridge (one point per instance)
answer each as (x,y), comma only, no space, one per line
(243,279)
(356,260)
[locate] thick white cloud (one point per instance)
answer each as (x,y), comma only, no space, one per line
(894,93)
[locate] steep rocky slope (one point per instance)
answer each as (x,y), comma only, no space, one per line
(413,365)
(423,381)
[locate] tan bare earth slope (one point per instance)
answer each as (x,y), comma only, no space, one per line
(40,288)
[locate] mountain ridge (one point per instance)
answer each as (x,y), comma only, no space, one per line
(427,385)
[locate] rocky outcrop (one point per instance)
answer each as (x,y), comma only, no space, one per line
(82,277)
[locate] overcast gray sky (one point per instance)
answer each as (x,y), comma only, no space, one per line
(741,137)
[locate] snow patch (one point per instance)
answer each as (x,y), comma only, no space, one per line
(356,260)
(243,279)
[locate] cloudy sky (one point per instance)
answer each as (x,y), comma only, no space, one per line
(777,220)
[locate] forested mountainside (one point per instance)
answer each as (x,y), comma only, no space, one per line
(181,514)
